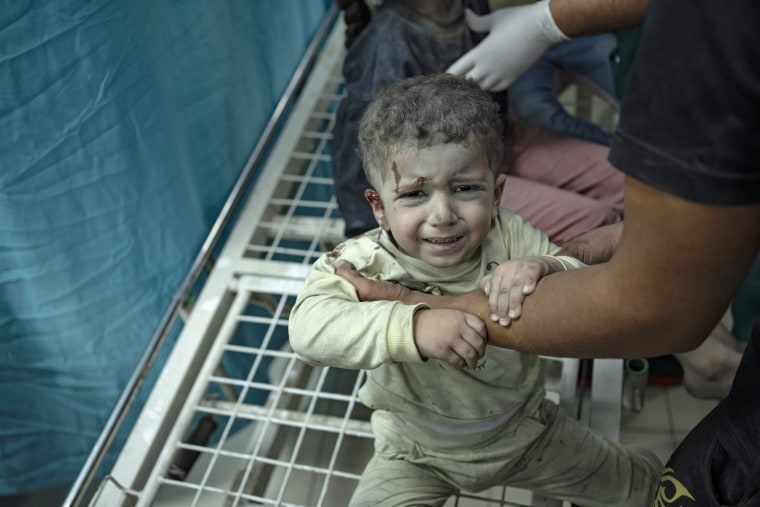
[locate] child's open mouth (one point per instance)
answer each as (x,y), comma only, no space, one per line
(443,242)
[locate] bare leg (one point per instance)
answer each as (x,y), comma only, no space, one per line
(710,368)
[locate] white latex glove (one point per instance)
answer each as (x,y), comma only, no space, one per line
(518,37)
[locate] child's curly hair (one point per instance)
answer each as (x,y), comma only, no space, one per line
(425,111)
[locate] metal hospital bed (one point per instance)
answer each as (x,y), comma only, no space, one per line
(284,433)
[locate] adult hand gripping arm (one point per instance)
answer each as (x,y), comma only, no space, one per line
(665,287)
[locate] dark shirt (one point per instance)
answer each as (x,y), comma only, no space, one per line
(690,126)
(690,118)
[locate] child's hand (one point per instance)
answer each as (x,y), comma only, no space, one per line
(453,336)
(508,284)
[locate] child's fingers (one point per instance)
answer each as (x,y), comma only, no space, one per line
(498,302)
(530,286)
(504,292)
(516,297)
(485,284)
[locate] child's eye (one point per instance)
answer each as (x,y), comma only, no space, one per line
(469,188)
(416,194)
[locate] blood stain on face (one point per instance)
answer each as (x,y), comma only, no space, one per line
(396,174)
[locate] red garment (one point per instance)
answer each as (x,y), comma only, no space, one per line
(563,186)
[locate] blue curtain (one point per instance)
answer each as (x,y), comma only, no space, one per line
(123,127)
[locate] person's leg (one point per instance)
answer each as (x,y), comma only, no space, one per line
(572,462)
(417,465)
(569,164)
(589,58)
(534,101)
(561,214)
(399,483)
(708,370)
(534,96)
(399,472)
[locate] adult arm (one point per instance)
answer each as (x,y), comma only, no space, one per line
(518,36)
(575,18)
(662,291)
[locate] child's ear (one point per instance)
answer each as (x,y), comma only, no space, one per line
(373,198)
(498,190)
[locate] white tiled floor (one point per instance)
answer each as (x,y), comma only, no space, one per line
(668,414)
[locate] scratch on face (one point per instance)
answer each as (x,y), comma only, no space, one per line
(396,174)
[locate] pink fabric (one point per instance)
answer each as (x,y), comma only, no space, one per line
(563,186)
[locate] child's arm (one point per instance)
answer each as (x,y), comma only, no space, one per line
(329,326)
(511,281)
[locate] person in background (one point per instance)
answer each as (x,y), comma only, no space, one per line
(534,96)
(564,186)
(403,38)
(450,413)
(356,15)
(687,141)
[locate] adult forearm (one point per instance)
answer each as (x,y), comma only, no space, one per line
(555,320)
(575,17)
(671,278)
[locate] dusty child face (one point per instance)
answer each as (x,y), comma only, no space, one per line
(438,202)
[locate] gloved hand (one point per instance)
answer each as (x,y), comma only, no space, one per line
(518,37)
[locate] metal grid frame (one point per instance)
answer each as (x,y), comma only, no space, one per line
(271,416)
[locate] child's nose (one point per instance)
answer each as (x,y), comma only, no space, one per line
(442,211)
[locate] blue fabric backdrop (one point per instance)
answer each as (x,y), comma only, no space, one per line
(123,126)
